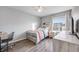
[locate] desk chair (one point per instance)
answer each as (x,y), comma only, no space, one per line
(4,44)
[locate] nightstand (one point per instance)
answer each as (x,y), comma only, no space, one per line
(50,34)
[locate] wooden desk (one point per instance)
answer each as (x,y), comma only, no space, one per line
(64,42)
(3,35)
(3,44)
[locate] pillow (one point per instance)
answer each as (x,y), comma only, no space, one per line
(78,34)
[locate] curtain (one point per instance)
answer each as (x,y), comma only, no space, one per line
(68,20)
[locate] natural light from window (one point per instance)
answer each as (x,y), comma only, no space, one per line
(58,24)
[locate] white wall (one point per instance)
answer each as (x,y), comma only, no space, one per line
(75,14)
(12,20)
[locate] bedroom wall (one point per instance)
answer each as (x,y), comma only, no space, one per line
(12,20)
(75,14)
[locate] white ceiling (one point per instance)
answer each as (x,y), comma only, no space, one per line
(47,11)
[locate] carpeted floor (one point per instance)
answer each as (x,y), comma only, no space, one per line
(28,46)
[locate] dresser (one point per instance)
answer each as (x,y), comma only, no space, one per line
(65,42)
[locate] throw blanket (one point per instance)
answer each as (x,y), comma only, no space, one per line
(41,35)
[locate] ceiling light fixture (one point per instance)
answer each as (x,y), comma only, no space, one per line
(39,8)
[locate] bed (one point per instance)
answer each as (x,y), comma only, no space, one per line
(37,35)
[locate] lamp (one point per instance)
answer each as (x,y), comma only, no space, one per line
(33,26)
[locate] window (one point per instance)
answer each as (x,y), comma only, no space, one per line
(58,23)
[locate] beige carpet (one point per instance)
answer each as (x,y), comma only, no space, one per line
(28,46)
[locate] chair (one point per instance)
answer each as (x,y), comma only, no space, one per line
(10,38)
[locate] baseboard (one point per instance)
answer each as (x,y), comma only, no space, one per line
(16,40)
